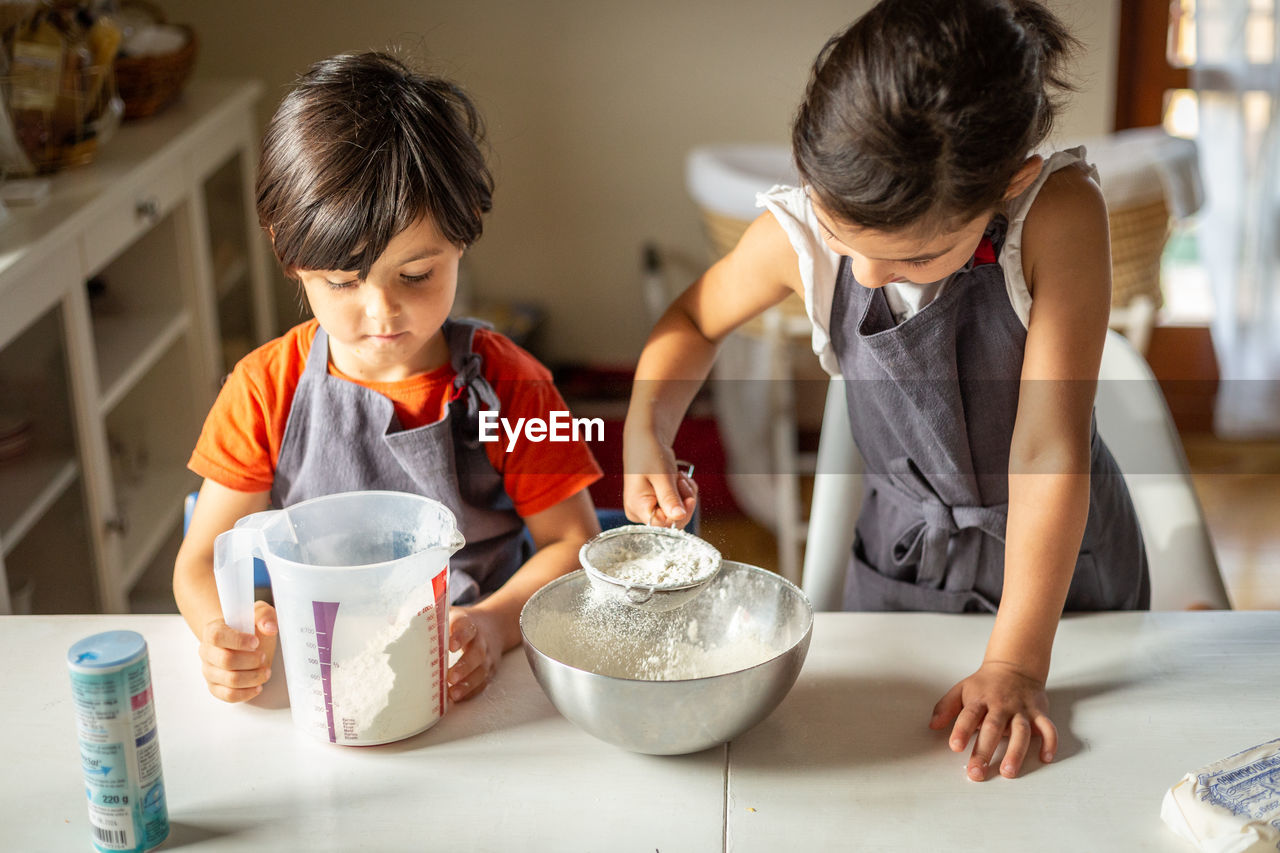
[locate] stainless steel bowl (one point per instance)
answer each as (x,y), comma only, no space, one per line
(566,635)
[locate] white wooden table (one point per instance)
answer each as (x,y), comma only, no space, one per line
(846,762)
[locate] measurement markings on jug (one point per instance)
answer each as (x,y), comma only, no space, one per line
(326,612)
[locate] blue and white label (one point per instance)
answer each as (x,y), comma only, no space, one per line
(119,754)
(1251,791)
(1232,804)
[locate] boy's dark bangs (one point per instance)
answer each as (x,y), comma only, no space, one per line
(358,154)
(348,228)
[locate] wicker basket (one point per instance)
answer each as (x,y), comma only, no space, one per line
(1138,236)
(63,133)
(148,84)
(723,233)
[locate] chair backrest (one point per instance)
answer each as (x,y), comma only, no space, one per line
(837,498)
(261,578)
(1135,422)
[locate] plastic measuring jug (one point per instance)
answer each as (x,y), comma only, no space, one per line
(360,581)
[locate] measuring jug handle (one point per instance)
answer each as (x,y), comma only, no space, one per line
(233,554)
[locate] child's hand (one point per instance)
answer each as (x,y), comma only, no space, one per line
(660,499)
(479,637)
(996,702)
(237,665)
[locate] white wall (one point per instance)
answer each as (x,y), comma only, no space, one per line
(591,106)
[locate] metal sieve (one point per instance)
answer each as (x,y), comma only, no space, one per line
(603,556)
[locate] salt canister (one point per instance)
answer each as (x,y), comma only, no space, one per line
(119,750)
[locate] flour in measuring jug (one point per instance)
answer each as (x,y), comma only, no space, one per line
(386,690)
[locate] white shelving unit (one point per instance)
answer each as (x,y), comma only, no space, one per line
(123,301)
(37,483)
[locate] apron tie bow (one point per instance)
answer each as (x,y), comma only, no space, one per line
(924,542)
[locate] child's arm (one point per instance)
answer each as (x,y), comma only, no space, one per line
(1067,264)
(235,665)
(485,630)
(760,272)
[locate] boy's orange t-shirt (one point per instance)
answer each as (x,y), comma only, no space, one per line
(240,443)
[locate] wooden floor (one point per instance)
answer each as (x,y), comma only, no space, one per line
(1239,488)
(1238,484)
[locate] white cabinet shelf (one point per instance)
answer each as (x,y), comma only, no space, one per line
(130,346)
(150,515)
(230,274)
(32,485)
(115,314)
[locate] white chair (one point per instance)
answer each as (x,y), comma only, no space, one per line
(837,498)
(1150,181)
(723,180)
(1134,420)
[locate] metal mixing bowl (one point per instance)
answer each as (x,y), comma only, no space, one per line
(565,641)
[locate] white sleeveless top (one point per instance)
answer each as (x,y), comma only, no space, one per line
(819,264)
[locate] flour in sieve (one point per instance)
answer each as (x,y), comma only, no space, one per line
(387,690)
(671,559)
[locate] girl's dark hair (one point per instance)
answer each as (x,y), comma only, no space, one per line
(922,111)
(361,149)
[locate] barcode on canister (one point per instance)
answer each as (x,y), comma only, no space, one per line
(117,837)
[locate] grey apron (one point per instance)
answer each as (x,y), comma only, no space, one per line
(342,437)
(932,403)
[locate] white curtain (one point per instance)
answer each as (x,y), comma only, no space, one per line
(1237,78)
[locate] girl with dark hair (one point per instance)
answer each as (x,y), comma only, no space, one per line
(959,282)
(371,186)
